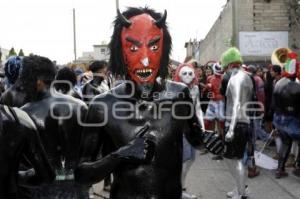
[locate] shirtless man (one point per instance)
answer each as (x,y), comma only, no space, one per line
(140,50)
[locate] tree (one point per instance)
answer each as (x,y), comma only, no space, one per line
(12,52)
(21,53)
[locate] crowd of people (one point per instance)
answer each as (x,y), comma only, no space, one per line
(139,118)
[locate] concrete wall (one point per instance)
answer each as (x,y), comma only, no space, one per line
(244,13)
(219,37)
(294,36)
(251,15)
(273,16)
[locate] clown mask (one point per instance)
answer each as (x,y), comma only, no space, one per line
(186,75)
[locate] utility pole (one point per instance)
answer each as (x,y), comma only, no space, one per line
(117,5)
(74,35)
(235,25)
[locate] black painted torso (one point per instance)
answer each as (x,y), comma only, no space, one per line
(19,137)
(287,97)
(161,178)
(57,119)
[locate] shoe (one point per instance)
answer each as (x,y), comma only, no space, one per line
(276,156)
(217,157)
(253,172)
(281,174)
(296,172)
(234,193)
(291,161)
(204,151)
(186,195)
(240,197)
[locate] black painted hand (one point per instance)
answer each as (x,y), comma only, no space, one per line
(213,143)
(140,149)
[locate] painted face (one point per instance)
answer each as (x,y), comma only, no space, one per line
(142,49)
(186,74)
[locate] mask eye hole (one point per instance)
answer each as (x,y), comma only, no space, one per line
(190,73)
(154,48)
(134,48)
(184,73)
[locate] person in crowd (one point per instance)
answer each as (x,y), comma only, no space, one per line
(140,50)
(214,116)
(18,139)
(12,69)
(201,78)
(238,89)
(256,130)
(57,117)
(86,77)
(185,73)
(65,82)
(99,82)
(268,116)
(204,97)
(260,72)
(171,71)
(14,94)
(79,84)
(275,72)
(259,132)
(286,117)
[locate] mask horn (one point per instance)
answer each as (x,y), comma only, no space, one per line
(125,22)
(160,22)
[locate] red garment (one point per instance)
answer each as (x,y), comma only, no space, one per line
(213,84)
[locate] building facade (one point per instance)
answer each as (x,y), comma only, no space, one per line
(100,52)
(256,27)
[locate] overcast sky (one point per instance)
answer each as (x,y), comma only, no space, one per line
(45,27)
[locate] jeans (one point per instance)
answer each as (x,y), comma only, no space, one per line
(287,125)
(188,152)
(259,132)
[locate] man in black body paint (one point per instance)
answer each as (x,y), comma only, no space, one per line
(140,50)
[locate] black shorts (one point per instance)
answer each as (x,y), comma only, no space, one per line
(236,148)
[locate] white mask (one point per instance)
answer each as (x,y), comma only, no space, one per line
(186,74)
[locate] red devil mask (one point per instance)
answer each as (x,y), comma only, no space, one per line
(142,43)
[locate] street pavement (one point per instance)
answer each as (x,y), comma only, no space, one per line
(210,179)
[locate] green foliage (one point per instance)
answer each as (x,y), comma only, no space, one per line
(12,52)
(21,53)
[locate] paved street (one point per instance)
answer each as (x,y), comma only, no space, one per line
(211,179)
